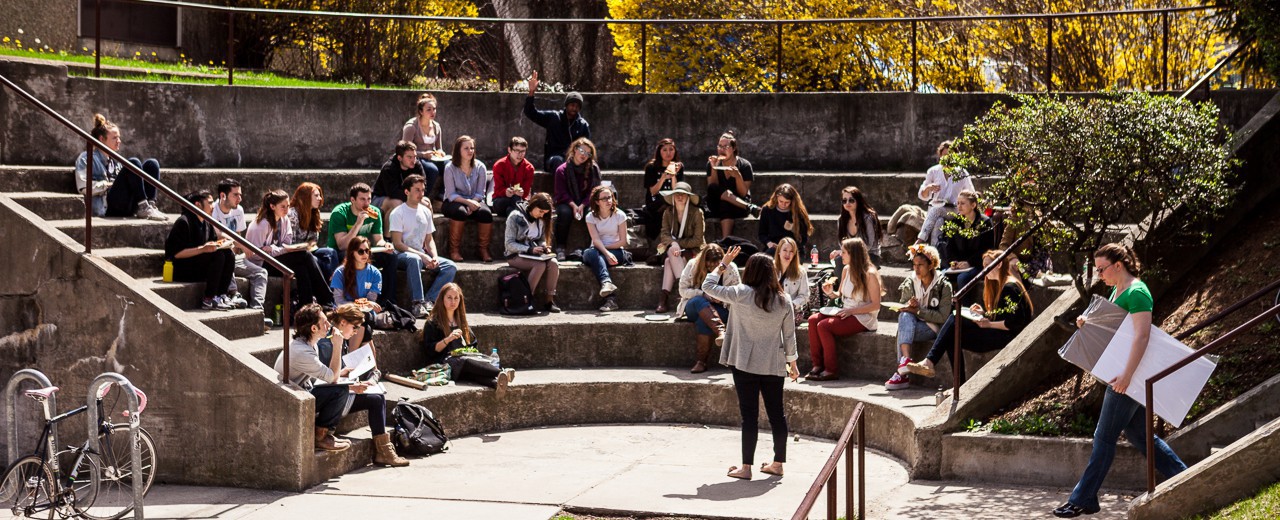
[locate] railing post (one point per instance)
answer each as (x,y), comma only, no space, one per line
(97,38)
(956,360)
(1164,51)
(1048,59)
(644,57)
(831,496)
(88,197)
(862,467)
(231,47)
(1151,438)
(915,81)
(848,481)
(777,87)
(286,317)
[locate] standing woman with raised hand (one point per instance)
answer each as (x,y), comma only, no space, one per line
(760,346)
(859,220)
(661,174)
(682,236)
(792,275)
(425,133)
(784,216)
(270,231)
(1118,267)
(467,189)
(729,184)
(608,229)
(859,295)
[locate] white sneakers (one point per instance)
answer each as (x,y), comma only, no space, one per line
(607,288)
(147,209)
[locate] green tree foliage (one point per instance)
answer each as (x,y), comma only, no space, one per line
(337,48)
(1256,20)
(1089,53)
(1092,165)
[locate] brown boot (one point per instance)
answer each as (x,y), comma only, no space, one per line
(662,302)
(327,442)
(704,354)
(486,233)
(709,316)
(455,240)
(384,454)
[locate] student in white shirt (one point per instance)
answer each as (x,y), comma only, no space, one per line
(411,230)
(608,229)
(229,212)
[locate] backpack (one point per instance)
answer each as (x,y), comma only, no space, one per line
(416,431)
(817,300)
(393,317)
(514,295)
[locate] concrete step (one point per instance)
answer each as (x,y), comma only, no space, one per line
(118,231)
(51,205)
(233,324)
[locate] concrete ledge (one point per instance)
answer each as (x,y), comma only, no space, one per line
(1228,423)
(1038,461)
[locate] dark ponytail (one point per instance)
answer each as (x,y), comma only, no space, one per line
(1117,253)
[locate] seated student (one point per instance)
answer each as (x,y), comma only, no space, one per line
(358,217)
(858,220)
(357,279)
(446,331)
(386,190)
(563,126)
(311,373)
(707,313)
(859,295)
(411,230)
(967,234)
(941,190)
(1006,310)
(661,174)
(574,181)
(608,229)
(927,296)
(784,216)
(681,238)
(467,189)
(270,232)
(729,184)
(792,275)
(512,178)
(228,211)
(428,140)
(193,247)
(114,194)
(529,233)
(304,221)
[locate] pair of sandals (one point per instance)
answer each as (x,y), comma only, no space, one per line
(820,375)
(744,472)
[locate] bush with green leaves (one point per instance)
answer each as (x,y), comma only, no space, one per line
(1093,165)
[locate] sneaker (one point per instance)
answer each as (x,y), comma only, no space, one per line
(897,382)
(902,366)
(504,378)
(223,303)
(421,309)
(610,304)
(607,288)
(720,338)
(237,301)
(559,254)
(552,307)
(920,369)
(147,209)
(208,304)
(754,210)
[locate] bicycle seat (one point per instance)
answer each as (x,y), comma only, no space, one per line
(41,394)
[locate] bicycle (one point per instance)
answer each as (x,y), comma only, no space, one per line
(100,483)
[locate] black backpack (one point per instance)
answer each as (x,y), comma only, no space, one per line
(416,431)
(514,295)
(392,317)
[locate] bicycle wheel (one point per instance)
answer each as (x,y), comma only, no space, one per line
(26,489)
(114,497)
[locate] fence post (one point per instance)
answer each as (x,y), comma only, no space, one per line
(97,39)
(914,59)
(88,197)
(1048,71)
(777,87)
(1164,51)
(644,57)
(848,479)
(231,47)
(368,52)
(502,65)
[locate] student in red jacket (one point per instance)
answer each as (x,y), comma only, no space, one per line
(512,178)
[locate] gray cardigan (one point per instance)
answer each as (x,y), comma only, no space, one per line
(755,341)
(516,237)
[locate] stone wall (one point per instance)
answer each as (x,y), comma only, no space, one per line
(219,126)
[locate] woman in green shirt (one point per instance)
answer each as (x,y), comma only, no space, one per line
(1116,265)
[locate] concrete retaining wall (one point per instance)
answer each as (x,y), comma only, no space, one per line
(195,125)
(1033,461)
(217,416)
(1228,423)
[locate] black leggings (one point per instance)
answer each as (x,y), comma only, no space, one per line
(564,218)
(473,369)
(330,400)
(456,211)
(214,269)
(750,388)
(972,338)
(311,282)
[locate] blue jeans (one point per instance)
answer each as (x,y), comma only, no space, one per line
(412,265)
(595,260)
(1119,413)
(912,329)
(329,260)
(695,306)
(552,162)
(122,199)
(431,170)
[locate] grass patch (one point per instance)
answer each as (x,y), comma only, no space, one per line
(1266,504)
(246,78)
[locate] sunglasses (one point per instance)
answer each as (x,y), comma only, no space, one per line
(847,201)
(362,251)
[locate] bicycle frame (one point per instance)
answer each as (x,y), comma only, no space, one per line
(47,451)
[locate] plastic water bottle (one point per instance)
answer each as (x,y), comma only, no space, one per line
(813,255)
(493,354)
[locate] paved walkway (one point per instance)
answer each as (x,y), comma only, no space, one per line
(671,469)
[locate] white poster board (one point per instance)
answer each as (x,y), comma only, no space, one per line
(1174,394)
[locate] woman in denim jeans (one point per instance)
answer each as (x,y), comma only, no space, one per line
(608,229)
(927,296)
(1118,266)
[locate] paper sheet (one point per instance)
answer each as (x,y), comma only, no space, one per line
(360,360)
(1174,394)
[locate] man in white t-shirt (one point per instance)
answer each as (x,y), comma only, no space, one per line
(229,213)
(411,230)
(940,191)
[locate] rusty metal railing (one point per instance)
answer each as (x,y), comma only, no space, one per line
(93,145)
(780,27)
(827,476)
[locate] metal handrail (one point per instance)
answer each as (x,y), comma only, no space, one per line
(1213,346)
(91,144)
(11,411)
(956,359)
(135,456)
(1214,70)
(827,476)
(644,23)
